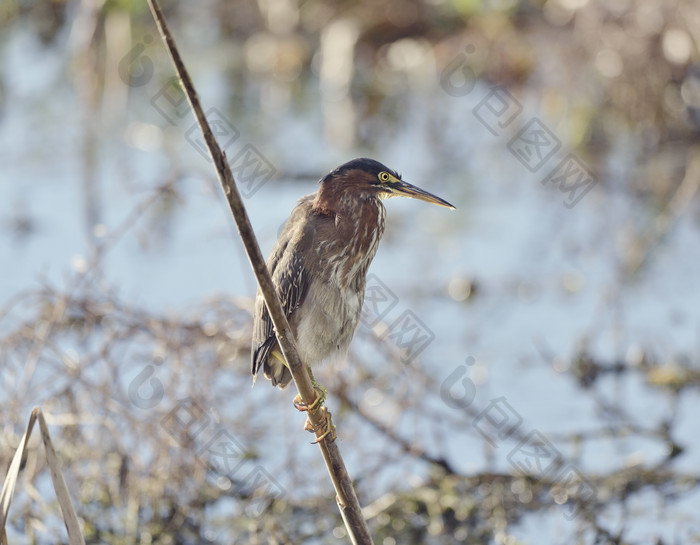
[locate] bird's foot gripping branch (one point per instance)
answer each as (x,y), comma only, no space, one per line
(325,427)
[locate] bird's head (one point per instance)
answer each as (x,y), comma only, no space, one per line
(366,178)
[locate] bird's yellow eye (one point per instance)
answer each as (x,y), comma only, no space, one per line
(383,176)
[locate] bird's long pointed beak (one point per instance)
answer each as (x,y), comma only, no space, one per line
(404,189)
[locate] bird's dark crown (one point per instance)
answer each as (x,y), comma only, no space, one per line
(363,164)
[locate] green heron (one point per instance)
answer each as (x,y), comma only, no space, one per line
(319,265)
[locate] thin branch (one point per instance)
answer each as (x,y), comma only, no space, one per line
(346,497)
(70,518)
(405,445)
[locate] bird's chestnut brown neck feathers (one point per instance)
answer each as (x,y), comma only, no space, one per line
(345,193)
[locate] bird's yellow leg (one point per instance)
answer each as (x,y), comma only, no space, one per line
(278,356)
(298,402)
(321,394)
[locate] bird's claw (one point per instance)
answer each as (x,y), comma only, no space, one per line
(326,426)
(301,405)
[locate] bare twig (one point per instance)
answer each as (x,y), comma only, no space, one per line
(346,497)
(75,536)
(406,445)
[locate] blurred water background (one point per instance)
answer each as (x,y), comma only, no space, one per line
(527,368)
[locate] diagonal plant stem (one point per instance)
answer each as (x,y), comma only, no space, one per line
(70,519)
(346,497)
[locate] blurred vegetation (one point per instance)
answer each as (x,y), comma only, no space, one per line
(142,476)
(617,71)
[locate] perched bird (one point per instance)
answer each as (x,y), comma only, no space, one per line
(319,264)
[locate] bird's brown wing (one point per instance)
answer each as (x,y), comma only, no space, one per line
(289,275)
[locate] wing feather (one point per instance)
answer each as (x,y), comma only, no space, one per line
(291,278)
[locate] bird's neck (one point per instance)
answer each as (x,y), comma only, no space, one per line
(334,200)
(359,225)
(351,212)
